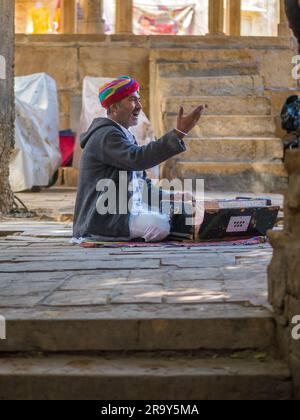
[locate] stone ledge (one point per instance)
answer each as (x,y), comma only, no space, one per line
(278,239)
(138,327)
(142,377)
(199,41)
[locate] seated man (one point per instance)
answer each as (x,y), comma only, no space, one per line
(110,151)
(292,8)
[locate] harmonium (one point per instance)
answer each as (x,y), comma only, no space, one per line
(222,219)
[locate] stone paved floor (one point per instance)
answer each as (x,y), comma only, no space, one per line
(40,269)
(55,203)
(48,272)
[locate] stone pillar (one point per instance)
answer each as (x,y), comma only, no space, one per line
(235,17)
(6,100)
(69,16)
(284,272)
(283,27)
(216,17)
(124,16)
(93,22)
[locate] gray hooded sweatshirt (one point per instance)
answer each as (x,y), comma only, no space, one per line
(107,151)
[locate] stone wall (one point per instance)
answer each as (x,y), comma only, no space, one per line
(68,58)
(284,271)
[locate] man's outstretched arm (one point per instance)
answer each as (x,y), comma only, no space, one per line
(124,155)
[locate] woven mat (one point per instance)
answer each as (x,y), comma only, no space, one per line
(239,242)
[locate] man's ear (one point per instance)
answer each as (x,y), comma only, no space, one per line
(113,108)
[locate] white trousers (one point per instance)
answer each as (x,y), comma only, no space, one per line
(151,226)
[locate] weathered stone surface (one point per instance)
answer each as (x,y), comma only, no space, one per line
(149,276)
(111,279)
(64,101)
(150,378)
(293,304)
(206,86)
(186,72)
(136,294)
(241,273)
(295,349)
(207,69)
(21,301)
(33,59)
(279,76)
(78,265)
(191,274)
(242,176)
(61,310)
(283,337)
(197,46)
(293,193)
(81,312)
(295,366)
(194,296)
(284,284)
(258,52)
(64,122)
(71,177)
(219,105)
(292,161)
(233,149)
(230,126)
(251,285)
(292,278)
(28,288)
(257,298)
(130,326)
(78,298)
(292,224)
(196,262)
(277,280)
(49,202)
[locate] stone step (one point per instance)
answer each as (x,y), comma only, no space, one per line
(138,327)
(233,149)
(197,54)
(216,86)
(256,177)
(215,45)
(228,126)
(220,105)
(207,68)
(142,377)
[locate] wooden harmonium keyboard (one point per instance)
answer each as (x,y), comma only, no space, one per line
(224,220)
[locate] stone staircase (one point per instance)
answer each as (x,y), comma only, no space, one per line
(200,352)
(234,147)
(134,323)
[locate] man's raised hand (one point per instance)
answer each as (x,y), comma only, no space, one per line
(186,123)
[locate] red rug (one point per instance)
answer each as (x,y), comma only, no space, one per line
(239,242)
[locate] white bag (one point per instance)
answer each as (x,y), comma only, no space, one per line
(36,156)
